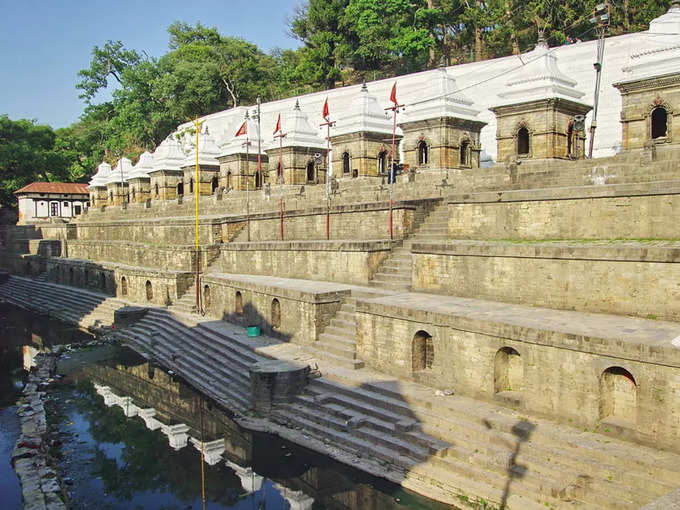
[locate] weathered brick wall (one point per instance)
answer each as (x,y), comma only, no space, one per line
(628,279)
(608,212)
(561,372)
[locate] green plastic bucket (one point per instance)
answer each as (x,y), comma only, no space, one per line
(253,330)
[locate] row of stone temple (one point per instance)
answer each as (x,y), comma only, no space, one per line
(542,116)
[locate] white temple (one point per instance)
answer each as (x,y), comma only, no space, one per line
(465,91)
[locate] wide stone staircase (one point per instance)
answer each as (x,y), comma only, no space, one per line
(82,307)
(395,273)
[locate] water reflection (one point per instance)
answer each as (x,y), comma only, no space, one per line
(137,432)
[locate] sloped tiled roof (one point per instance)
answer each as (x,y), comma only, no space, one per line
(54,187)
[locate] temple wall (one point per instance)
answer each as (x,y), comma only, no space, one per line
(601,277)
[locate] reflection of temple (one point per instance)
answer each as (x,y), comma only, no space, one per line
(259,461)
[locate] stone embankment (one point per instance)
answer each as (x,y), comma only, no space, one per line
(41,485)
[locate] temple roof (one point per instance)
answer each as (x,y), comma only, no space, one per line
(143,166)
(364,114)
(121,172)
(539,78)
(659,56)
(168,155)
(236,144)
(445,101)
(299,133)
(668,23)
(208,151)
(100,178)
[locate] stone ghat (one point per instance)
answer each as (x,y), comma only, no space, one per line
(624,277)
(140,284)
(290,310)
(621,211)
(450,447)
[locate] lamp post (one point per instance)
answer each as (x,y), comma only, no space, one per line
(601,18)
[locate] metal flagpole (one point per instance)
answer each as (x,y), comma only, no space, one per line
(196,193)
(259,144)
(280,136)
(394,108)
(601,17)
(247,180)
(328,125)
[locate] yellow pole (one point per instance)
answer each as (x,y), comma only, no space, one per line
(196,184)
(196,195)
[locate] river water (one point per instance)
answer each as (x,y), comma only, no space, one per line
(116,461)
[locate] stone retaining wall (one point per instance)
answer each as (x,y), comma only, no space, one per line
(166,286)
(607,212)
(618,278)
(172,257)
(557,374)
(331,261)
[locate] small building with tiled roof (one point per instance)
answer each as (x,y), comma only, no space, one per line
(40,201)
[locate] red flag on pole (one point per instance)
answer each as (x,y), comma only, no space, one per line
(243,130)
(393,95)
(278,125)
(325,112)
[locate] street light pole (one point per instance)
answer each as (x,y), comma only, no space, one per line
(601,17)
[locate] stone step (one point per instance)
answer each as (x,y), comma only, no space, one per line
(336,360)
(347,332)
(465,475)
(391,278)
(505,422)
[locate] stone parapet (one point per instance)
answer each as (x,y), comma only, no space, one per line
(177,257)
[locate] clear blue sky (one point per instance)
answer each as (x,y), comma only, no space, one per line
(43,44)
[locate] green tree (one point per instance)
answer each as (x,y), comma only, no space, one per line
(318,25)
(27,154)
